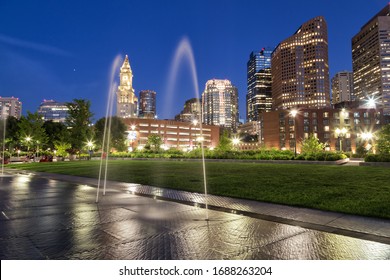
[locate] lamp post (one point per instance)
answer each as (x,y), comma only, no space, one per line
(367,136)
(195,123)
(28,139)
(132,136)
(293,113)
(340,135)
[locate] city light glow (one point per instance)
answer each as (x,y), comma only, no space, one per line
(90,144)
(367,135)
(236,141)
(341,131)
(293,113)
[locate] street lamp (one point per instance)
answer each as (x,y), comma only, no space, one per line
(371,102)
(90,146)
(132,136)
(367,136)
(235,142)
(340,135)
(28,139)
(293,113)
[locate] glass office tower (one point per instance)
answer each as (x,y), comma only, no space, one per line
(259,84)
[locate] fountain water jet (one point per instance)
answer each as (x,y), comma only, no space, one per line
(184,51)
(3,117)
(107,126)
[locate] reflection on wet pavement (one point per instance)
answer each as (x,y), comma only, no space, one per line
(48,219)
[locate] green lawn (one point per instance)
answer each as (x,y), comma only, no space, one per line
(362,190)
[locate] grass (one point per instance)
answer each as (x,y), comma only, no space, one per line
(360,190)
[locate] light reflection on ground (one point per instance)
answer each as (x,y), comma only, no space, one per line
(48,219)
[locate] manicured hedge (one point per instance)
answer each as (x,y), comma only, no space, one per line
(245,155)
(377,158)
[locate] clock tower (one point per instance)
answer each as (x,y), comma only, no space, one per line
(127,102)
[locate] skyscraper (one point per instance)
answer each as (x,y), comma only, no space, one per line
(371,60)
(342,87)
(300,70)
(259,79)
(10,106)
(220,104)
(190,112)
(127,102)
(51,110)
(147,104)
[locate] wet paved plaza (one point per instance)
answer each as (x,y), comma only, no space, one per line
(43,218)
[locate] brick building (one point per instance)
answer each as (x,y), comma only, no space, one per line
(340,128)
(175,134)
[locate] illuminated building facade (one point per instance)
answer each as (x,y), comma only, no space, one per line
(174,134)
(280,130)
(342,87)
(371,60)
(127,102)
(190,112)
(259,84)
(10,106)
(147,104)
(51,110)
(220,104)
(300,70)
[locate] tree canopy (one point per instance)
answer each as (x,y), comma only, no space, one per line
(383,140)
(225,143)
(117,133)
(312,145)
(154,141)
(79,121)
(31,132)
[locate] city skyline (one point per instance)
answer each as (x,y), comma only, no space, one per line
(64,50)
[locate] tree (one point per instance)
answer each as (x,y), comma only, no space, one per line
(154,141)
(383,140)
(62,148)
(117,131)
(31,133)
(79,123)
(312,145)
(11,130)
(225,144)
(56,132)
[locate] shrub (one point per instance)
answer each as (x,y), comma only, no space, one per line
(333,156)
(377,158)
(320,156)
(310,156)
(300,157)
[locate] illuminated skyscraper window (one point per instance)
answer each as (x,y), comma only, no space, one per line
(371,60)
(147,104)
(220,104)
(300,70)
(190,112)
(51,110)
(259,84)
(342,87)
(10,106)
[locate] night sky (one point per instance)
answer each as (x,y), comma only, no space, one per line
(63,50)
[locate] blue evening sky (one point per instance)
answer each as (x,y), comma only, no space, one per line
(64,49)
